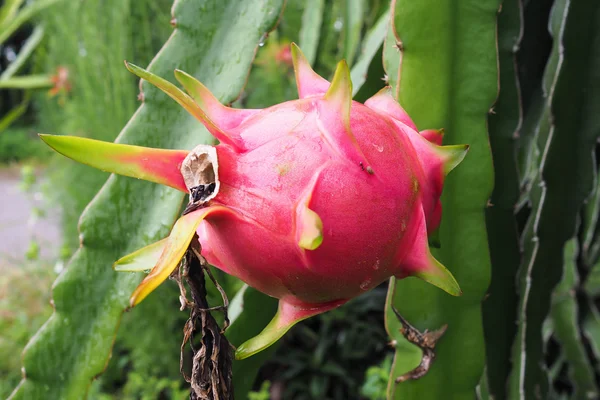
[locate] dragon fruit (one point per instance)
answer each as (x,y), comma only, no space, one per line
(313,201)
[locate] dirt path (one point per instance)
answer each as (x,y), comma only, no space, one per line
(19,226)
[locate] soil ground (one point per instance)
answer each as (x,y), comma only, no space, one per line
(18,223)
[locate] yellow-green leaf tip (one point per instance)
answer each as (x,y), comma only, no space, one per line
(438,275)
(453,156)
(341,85)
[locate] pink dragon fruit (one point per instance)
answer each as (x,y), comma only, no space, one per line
(312,201)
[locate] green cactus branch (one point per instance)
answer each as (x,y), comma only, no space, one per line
(532,61)
(312,18)
(27,82)
(354,11)
(591,330)
(565,179)
(564,313)
(30,45)
(372,42)
(446,77)
(216,43)
(590,216)
(499,308)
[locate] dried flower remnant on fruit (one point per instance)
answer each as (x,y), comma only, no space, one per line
(200,174)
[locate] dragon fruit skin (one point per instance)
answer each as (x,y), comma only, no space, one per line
(369,220)
(318,200)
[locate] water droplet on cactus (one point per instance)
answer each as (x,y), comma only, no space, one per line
(338,25)
(262,40)
(59,266)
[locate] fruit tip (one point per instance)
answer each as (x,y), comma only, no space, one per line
(341,84)
(344,64)
(454,291)
(134,301)
(297,54)
(181,75)
(48,138)
(133,68)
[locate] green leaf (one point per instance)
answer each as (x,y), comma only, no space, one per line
(354,11)
(30,45)
(15,113)
(446,51)
(312,18)
(504,124)
(27,82)
(373,40)
(216,44)
(24,15)
(329,43)
(565,179)
(8,10)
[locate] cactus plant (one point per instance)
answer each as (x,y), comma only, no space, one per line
(430,81)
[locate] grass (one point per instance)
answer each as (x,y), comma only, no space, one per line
(24,306)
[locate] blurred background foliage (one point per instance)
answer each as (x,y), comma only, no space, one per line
(345,353)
